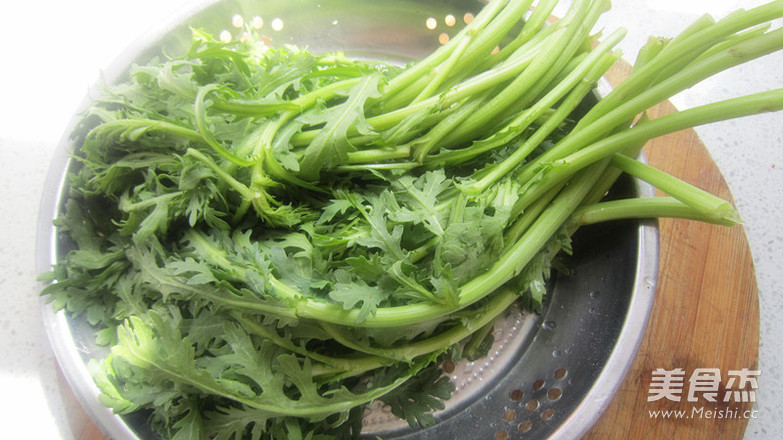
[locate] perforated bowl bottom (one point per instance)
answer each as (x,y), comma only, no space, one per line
(548,375)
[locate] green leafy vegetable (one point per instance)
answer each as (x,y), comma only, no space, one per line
(270,239)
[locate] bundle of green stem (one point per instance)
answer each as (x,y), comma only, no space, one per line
(269,239)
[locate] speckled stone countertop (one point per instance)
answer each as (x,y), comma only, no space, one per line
(52,51)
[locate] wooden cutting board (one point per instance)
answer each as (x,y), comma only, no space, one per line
(705,315)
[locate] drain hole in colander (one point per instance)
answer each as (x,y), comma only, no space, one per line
(553,393)
(525,426)
(501,435)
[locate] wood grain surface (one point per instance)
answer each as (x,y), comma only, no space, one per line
(705,313)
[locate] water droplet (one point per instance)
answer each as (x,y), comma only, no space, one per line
(649,281)
(549,325)
(556,353)
(594,294)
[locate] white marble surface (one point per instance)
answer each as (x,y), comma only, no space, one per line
(53,50)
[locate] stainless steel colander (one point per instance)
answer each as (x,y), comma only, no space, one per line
(548,375)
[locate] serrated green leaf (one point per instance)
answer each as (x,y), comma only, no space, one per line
(349,292)
(418,200)
(190,426)
(331,146)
